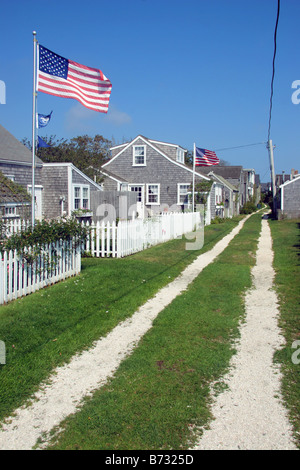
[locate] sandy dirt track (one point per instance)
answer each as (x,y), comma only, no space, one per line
(66,388)
(249,415)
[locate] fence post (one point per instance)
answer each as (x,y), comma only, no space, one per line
(1,278)
(119,239)
(95,235)
(15,274)
(113,236)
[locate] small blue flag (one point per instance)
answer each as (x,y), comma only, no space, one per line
(43,119)
(42,143)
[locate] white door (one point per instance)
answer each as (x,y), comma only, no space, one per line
(38,201)
(139,189)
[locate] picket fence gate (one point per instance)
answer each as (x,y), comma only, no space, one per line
(18,277)
(130,236)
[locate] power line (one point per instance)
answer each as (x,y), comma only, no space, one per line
(240,146)
(272,88)
(273,68)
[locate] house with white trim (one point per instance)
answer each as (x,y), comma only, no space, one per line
(60,188)
(15,202)
(226,202)
(288,199)
(156,172)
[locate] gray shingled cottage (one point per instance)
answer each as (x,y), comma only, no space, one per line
(242,179)
(15,202)
(60,188)
(226,202)
(288,199)
(155,171)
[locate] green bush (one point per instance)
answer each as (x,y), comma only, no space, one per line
(44,233)
(218,220)
(248,208)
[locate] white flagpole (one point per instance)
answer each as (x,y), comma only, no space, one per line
(34,97)
(194,156)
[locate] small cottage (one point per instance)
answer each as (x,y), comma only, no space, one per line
(288,199)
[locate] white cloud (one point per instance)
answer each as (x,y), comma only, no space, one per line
(117,117)
(79,118)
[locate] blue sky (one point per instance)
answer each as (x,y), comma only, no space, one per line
(181,72)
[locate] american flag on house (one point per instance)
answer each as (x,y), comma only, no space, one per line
(62,77)
(204,157)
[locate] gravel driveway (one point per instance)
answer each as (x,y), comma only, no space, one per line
(64,391)
(249,415)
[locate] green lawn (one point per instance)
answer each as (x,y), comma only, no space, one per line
(161,392)
(45,329)
(286,245)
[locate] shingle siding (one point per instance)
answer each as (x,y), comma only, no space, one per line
(158,170)
(169,150)
(14,197)
(291,199)
(55,186)
(22,173)
(112,205)
(55,179)
(110,185)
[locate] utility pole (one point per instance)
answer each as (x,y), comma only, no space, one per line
(270,148)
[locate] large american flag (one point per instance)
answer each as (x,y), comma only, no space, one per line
(62,77)
(205,157)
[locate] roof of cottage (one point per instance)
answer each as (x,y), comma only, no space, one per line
(155,145)
(11,192)
(227,171)
(222,180)
(12,150)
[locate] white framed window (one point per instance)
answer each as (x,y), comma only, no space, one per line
(180,155)
(139,190)
(153,194)
(139,155)
(10,177)
(81,197)
(183,193)
(10,211)
(218,195)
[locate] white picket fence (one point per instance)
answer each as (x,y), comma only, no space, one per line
(18,278)
(130,236)
(15,225)
(62,260)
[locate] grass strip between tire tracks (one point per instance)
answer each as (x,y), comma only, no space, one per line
(161,393)
(44,330)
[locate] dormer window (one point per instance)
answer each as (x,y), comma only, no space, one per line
(139,155)
(180,155)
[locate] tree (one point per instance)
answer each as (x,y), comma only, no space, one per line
(87,153)
(202,190)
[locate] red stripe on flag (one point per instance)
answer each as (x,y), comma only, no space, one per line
(87,85)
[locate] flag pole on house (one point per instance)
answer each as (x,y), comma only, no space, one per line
(58,76)
(34,99)
(194,154)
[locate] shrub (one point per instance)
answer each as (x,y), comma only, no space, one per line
(44,233)
(218,220)
(248,208)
